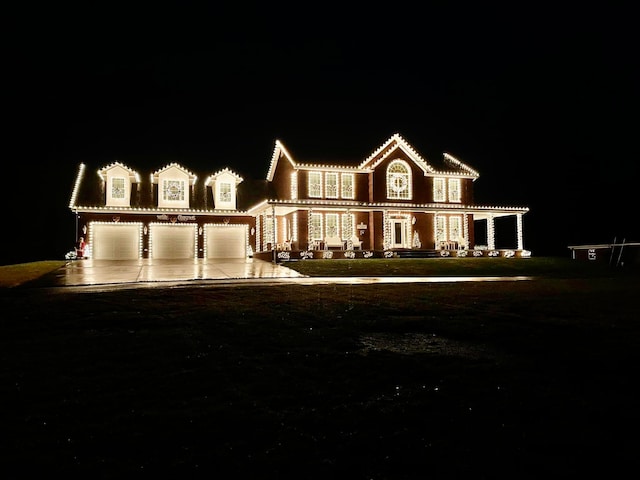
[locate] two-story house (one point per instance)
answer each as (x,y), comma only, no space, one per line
(392,203)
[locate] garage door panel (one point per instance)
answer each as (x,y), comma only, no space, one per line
(173,241)
(226,242)
(116,241)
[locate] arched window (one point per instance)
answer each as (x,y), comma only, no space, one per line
(399,180)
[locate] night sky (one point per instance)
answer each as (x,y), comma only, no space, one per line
(543,103)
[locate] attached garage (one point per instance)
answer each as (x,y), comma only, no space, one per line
(116,241)
(226,241)
(173,241)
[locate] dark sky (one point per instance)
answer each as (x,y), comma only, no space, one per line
(543,103)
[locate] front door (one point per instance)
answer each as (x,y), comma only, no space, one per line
(398,233)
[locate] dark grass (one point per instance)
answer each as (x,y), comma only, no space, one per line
(484,266)
(527,379)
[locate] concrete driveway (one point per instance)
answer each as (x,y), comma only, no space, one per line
(117,274)
(104,272)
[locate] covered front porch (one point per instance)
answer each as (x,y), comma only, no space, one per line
(293,231)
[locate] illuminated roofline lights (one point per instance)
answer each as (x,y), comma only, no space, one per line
(133,175)
(451,159)
(76,185)
(213,176)
(278,149)
(154,176)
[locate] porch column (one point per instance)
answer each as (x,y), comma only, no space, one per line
(372,237)
(519,231)
(465,229)
(491,237)
(273,233)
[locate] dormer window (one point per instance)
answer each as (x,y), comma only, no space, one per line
(173,190)
(174,184)
(225,192)
(224,187)
(118,180)
(117,188)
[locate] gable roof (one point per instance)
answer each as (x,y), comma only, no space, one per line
(212,178)
(89,191)
(279,151)
(192,176)
(458,165)
(393,144)
(449,166)
(134,177)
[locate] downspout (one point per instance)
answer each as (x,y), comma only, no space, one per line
(76,215)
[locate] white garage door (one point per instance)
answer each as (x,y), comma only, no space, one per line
(116,241)
(173,241)
(227,241)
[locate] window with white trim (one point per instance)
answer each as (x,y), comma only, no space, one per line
(268,230)
(441,229)
(173,190)
(294,185)
(331,185)
(117,188)
(347,226)
(398,180)
(438,190)
(315,184)
(454,190)
(331,220)
(315,226)
(347,180)
(225,192)
(455,228)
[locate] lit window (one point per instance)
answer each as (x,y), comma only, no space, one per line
(332,224)
(398,180)
(347,185)
(331,185)
(294,185)
(441,229)
(117,188)
(438,190)
(225,192)
(347,226)
(315,226)
(315,184)
(173,190)
(454,190)
(455,228)
(268,229)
